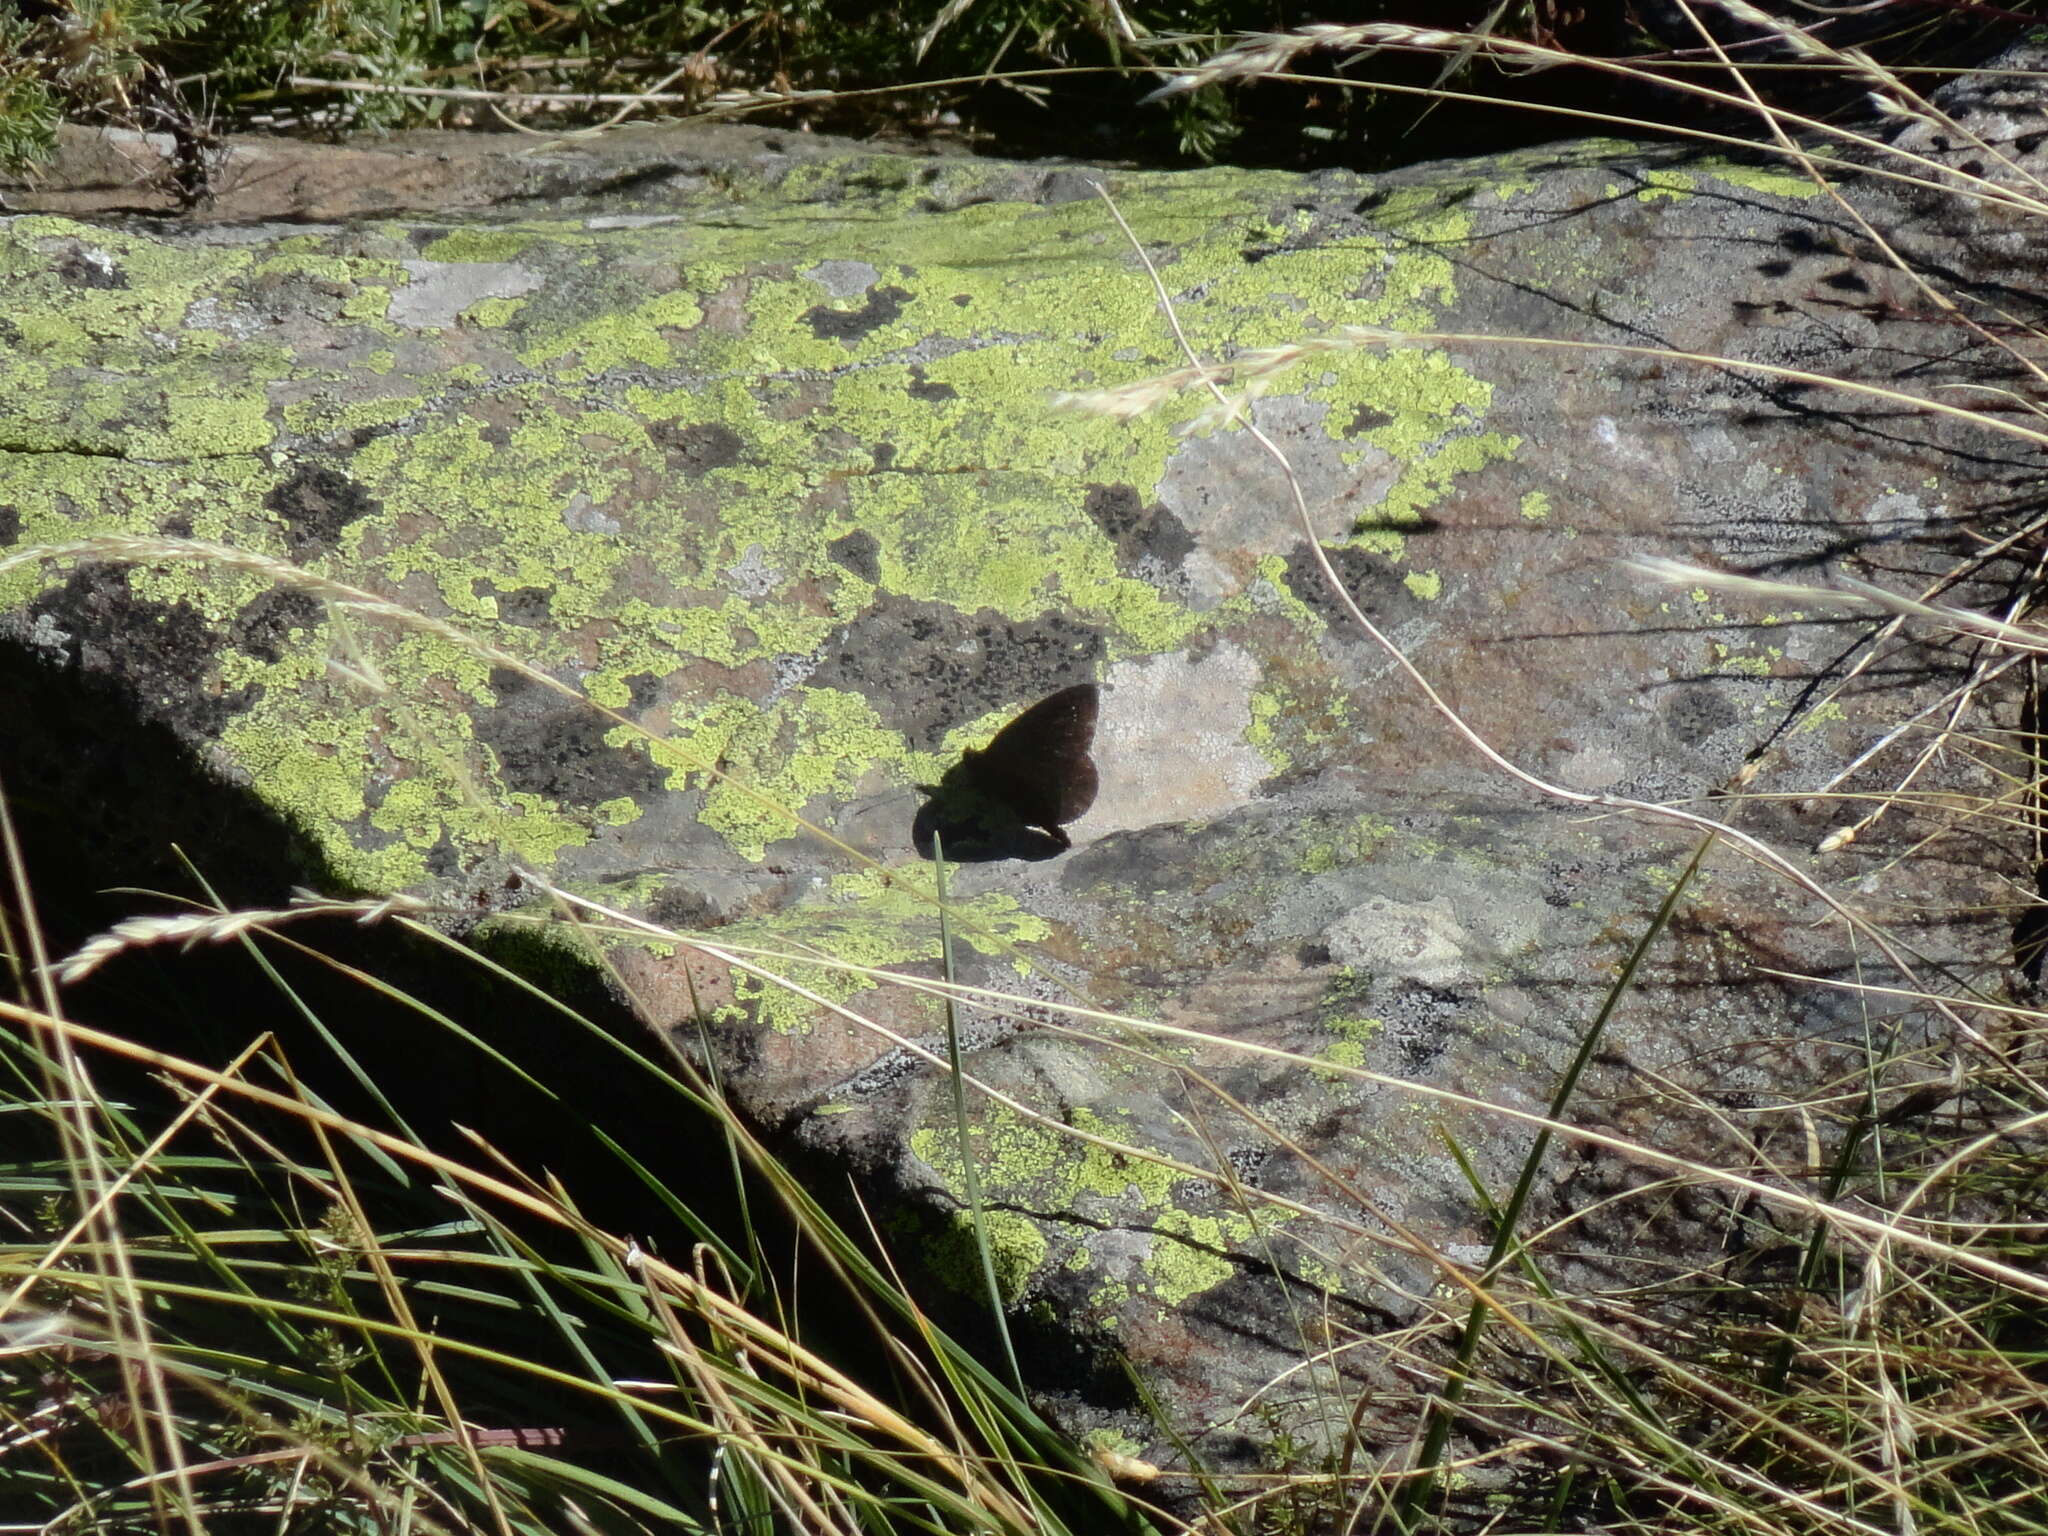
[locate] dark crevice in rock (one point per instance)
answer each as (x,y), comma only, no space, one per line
(316,505)
(1138,531)
(696,450)
(552,746)
(884,307)
(1373,585)
(930,668)
(264,628)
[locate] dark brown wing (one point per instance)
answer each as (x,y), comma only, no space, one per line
(1038,764)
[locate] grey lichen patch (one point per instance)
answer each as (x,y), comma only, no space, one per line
(1173,741)
(440,291)
(1231,500)
(843,279)
(1422,940)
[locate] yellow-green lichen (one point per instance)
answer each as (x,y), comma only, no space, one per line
(174,416)
(1748,666)
(1426,585)
(312,774)
(618,812)
(486,243)
(1764,179)
(1108,1299)
(1023,1162)
(370,305)
(1535,506)
(209,425)
(1016,1249)
(1266,708)
(1434,405)
(1351,846)
(496,483)
(1347,1052)
(1025,1159)
(630,335)
(60,323)
(493,313)
(814,742)
(1666,184)
(213,594)
(404,768)
(1827,712)
(514,493)
(321,415)
(1347,1055)
(1283,723)
(1180,1271)
(1272,593)
(305,260)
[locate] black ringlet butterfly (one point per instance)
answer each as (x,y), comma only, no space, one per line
(1013,798)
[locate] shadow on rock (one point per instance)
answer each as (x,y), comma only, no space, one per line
(974,828)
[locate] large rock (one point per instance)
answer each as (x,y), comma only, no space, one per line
(750,443)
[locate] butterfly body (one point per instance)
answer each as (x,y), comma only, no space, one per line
(1035,773)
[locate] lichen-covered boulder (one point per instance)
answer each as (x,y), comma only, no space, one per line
(753,447)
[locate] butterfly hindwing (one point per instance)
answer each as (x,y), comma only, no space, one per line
(1038,765)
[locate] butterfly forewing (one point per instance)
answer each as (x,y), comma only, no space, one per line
(1039,764)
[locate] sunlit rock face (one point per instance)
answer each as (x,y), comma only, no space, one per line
(716,506)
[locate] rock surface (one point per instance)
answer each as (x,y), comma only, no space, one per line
(748,440)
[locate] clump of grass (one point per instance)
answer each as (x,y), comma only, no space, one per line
(223,1299)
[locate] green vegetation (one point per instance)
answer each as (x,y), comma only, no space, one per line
(1023,76)
(233,1301)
